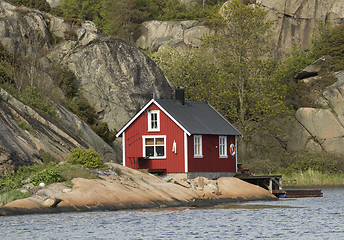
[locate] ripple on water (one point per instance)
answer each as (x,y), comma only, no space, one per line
(308,218)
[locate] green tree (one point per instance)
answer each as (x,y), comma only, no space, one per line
(84,9)
(191,69)
(233,71)
(330,41)
(250,97)
(121,17)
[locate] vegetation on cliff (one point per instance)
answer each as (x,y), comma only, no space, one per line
(79,162)
(17,82)
(120,18)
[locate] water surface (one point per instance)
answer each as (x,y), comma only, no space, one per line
(303,218)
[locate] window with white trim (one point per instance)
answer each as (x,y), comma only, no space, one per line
(154,121)
(154,146)
(198,146)
(223,146)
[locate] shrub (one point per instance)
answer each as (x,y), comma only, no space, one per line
(81,107)
(118,171)
(48,175)
(329,41)
(72,19)
(86,157)
(70,35)
(47,158)
(35,99)
(68,83)
(41,5)
(102,130)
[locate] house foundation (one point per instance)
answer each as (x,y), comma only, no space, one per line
(209,175)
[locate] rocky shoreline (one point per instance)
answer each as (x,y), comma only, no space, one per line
(131,189)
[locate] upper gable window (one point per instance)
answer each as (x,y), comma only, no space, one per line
(154,121)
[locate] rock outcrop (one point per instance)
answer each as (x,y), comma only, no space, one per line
(117,78)
(25,134)
(131,190)
(152,35)
(295,20)
(322,128)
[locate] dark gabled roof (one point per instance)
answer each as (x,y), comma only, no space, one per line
(198,117)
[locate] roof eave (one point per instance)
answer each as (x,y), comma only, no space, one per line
(119,133)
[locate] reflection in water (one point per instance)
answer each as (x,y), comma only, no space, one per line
(304,218)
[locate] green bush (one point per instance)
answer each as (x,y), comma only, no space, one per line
(48,175)
(86,157)
(82,108)
(70,35)
(35,99)
(67,81)
(330,41)
(102,130)
(47,158)
(41,5)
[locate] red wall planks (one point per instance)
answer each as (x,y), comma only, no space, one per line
(211,162)
(174,162)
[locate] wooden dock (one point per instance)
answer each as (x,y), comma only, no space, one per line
(273,183)
(301,193)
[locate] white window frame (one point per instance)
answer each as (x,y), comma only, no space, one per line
(155,137)
(198,153)
(150,113)
(223,153)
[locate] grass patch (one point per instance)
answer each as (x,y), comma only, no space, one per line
(46,173)
(71,171)
(311,178)
(12,195)
(23,125)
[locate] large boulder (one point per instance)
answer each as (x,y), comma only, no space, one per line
(154,34)
(116,78)
(321,129)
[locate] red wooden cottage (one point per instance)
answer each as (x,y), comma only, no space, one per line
(177,136)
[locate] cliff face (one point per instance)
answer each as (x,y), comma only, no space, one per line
(115,77)
(293,24)
(321,129)
(25,134)
(295,20)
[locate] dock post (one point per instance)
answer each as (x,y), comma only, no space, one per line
(270,185)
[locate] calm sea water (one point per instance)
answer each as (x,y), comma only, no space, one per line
(304,218)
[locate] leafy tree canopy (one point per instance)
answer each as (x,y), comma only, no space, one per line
(233,71)
(330,41)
